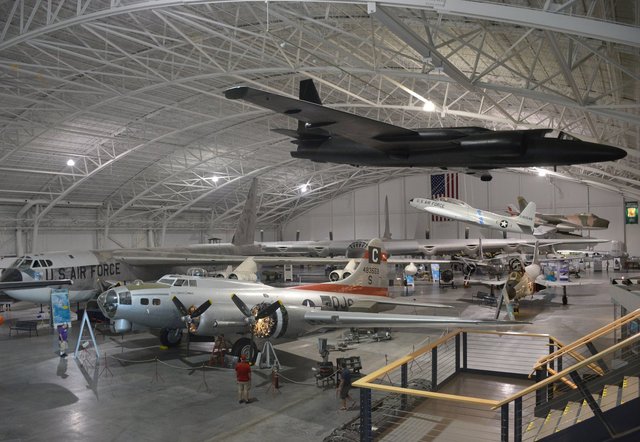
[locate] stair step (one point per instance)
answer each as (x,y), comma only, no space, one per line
(569,415)
(585,412)
(549,424)
(609,397)
(630,389)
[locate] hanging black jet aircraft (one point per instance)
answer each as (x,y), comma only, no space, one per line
(330,135)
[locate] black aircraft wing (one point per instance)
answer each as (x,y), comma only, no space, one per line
(323,122)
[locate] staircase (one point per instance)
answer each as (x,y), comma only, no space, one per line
(573,413)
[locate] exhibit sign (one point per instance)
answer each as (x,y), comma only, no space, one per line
(631,212)
(60,309)
(435,272)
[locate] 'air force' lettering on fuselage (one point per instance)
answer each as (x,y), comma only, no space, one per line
(83,272)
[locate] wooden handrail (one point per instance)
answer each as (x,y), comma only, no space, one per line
(566,371)
(410,357)
(587,338)
(428,394)
(565,380)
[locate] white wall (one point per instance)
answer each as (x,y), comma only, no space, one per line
(360,214)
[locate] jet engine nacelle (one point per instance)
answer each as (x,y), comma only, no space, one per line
(338,274)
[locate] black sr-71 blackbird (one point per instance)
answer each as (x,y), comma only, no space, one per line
(330,135)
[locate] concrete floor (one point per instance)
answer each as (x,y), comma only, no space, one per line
(148,394)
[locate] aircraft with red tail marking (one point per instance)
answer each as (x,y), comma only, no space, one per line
(243,310)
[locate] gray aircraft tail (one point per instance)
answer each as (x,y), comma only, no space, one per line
(245,231)
(387,229)
(522,203)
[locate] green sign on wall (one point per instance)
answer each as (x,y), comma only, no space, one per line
(631,212)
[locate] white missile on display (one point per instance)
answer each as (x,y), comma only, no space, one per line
(461,211)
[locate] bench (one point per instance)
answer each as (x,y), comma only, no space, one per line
(25,326)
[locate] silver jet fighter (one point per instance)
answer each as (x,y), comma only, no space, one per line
(242,310)
(461,211)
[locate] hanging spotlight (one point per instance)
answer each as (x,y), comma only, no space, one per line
(71,163)
(542,172)
(304,188)
(429,106)
(214,178)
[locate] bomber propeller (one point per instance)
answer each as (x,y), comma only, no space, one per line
(188,315)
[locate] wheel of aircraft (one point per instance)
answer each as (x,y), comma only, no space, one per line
(261,320)
(446,277)
(515,265)
(245,346)
(170,337)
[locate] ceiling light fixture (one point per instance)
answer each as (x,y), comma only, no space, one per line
(71,163)
(542,172)
(429,106)
(214,178)
(304,188)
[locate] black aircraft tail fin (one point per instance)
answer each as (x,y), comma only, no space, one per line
(308,92)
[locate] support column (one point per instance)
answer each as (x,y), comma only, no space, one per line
(464,350)
(504,423)
(517,420)
(457,352)
(365,415)
(19,242)
(150,239)
(434,369)
(404,383)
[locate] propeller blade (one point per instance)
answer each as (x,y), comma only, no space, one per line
(241,305)
(180,306)
(200,310)
(271,309)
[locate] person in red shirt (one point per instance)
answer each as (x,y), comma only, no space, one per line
(243,377)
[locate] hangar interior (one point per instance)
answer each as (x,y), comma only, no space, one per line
(115,133)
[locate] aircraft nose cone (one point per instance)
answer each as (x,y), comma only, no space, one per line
(11,275)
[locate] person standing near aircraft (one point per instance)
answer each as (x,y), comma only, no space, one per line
(243,377)
(62,339)
(344,385)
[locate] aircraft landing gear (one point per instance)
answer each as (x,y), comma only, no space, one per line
(170,336)
(244,346)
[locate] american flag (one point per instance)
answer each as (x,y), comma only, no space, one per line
(444,184)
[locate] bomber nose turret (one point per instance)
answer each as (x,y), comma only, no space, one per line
(11,275)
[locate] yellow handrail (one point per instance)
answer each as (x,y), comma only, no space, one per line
(587,338)
(568,370)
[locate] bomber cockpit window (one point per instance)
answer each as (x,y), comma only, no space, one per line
(167,281)
(125,298)
(25,265)
(180,282)
(36,263)
(193,283)
(49,263)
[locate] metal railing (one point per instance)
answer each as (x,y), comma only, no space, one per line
(403,401)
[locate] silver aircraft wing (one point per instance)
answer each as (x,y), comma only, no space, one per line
(34,284)
(373,305)
(339,319)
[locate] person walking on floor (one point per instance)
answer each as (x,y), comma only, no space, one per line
(243,377)
(344,385)
(62,339)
